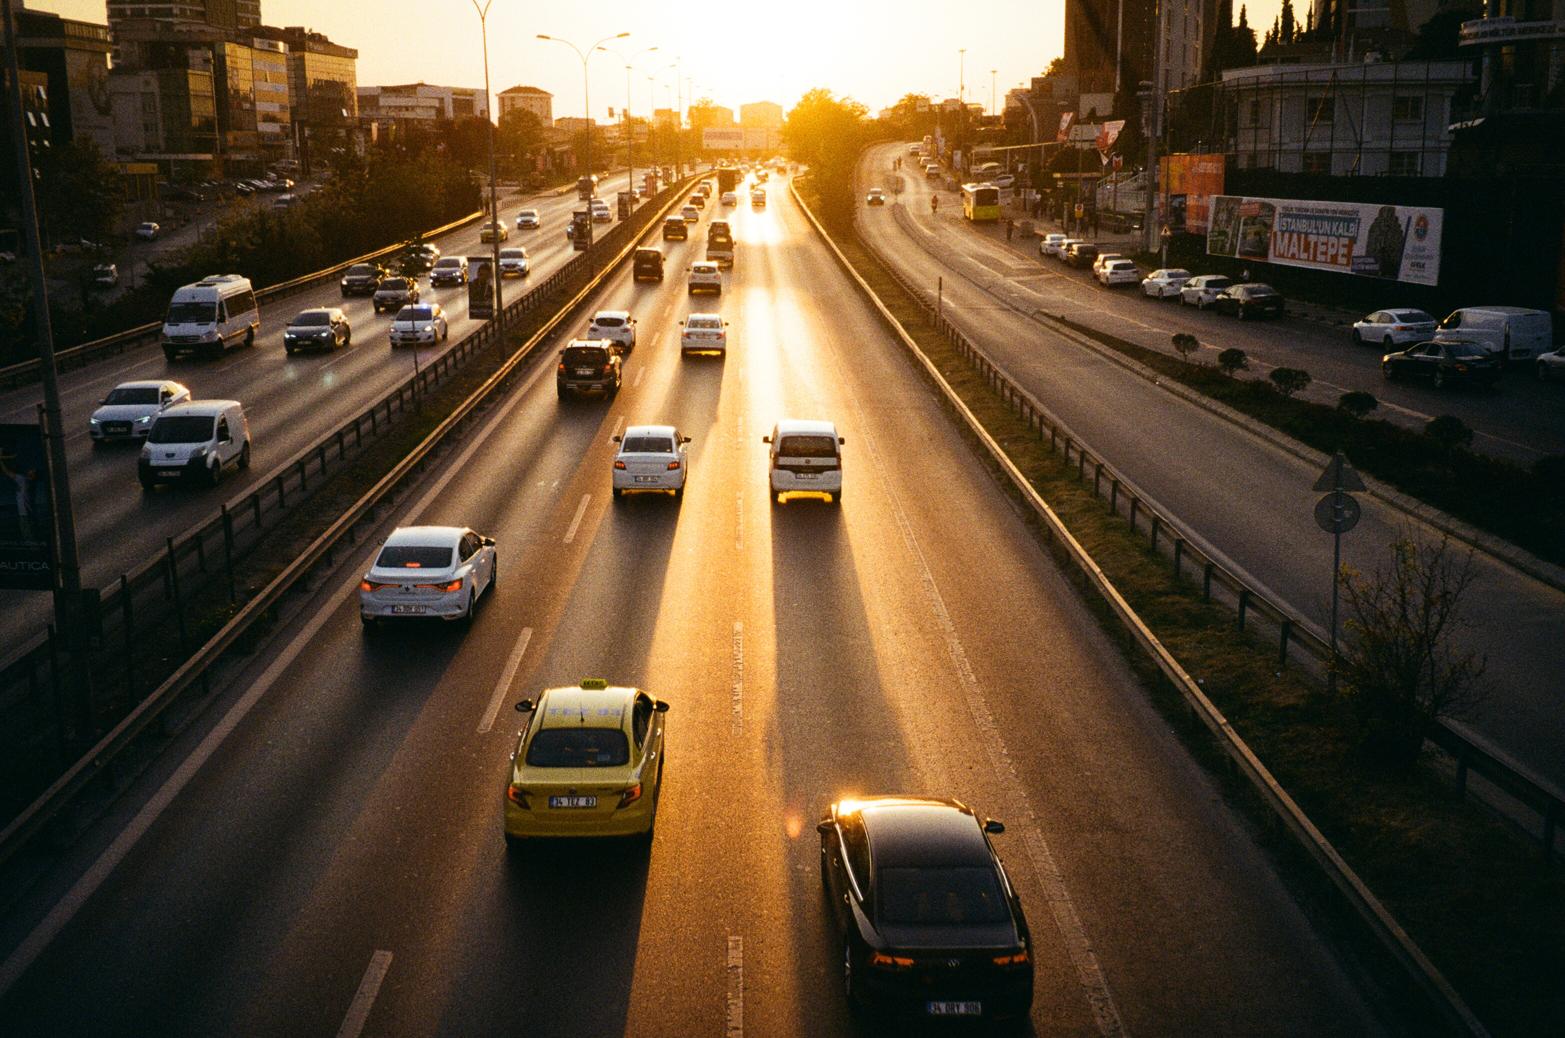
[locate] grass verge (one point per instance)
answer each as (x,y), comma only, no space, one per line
(1472,892)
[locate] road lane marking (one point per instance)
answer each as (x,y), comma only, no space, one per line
(640,374)
(504,684)
(581,510)
(739,522)
(619,420)
(735,1027)
(364,998)
(736,687)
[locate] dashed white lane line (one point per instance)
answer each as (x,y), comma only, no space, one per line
(581,510)
(735,1027)
(736,686)
(641,373)
(504,685)
(739,522)
(364,998)
(619,423)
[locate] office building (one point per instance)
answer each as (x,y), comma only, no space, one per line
(527,99)
(74,57)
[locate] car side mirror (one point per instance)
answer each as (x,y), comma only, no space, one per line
(766,439)
(824,828)
(562,353)
(684,439)
(660,706)
(103,402)
(994,826)
(525,706)
(616,439)
(841,440)
(488,542)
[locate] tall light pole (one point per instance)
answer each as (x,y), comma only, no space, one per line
(630,143)
(494,203)
(961,76)
(992,109)
(586,103)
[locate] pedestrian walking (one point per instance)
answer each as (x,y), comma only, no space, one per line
(1010,228)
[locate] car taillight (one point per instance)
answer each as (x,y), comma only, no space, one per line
(370,585)
(608,369)
(890,962)
(673,466)
(630,796)
(1461,367)
(1399,328)
(518,796)
(619,465)
(561,368)
(1021,958)
(454,585)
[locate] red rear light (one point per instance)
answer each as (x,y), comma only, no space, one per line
(630,796)
(517,796)
(608,369)
(561,368)
(365,585)
(1021,958)
(619,465)
(1461,367)
(455,585)
(673,465)
(890,962)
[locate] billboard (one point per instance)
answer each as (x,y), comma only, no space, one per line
(722,140)
(26,513)
(747,138)
(1189,182)
(1401,243)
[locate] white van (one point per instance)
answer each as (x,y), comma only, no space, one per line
(1512,332)
(195,442)
(210,315)
(805,460)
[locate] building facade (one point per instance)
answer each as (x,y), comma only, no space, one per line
(761,115)
(527,99)
(74,56)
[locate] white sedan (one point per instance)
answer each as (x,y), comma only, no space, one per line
(651,458)
(729,198)
(1551,366)
(513,262)
(1165,283)
(127,412)
(1049,244)
(1202,289)
(1390,329)
(706,277)
(428,571)
(689,213)
(419,324)
(1118,272)
(527,220)
(704,333)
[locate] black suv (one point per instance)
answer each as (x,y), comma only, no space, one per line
(648,265)
(418,259)
(362,279)
(674,229)
(589,366)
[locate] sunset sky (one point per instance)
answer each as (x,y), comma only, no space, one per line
(872,50)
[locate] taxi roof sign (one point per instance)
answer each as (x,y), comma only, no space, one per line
(597,683)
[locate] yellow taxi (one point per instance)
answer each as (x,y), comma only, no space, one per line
(589,762)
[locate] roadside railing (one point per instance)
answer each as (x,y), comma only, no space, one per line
(42,718)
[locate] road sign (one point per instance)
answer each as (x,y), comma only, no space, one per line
(1337,513)
(1339,474)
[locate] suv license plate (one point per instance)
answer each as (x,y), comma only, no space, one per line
(585,372)
(573,802)
(955,1008)
(646,479)
(410,609)
(168,472)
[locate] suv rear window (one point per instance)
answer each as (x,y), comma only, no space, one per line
(586,356)
(807,447)
(413,556)
(395,284)
(578,747)
(647,445)
(608,322)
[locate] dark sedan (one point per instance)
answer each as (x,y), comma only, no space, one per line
(362,279)
(1082,255)
(419,259)
(1250,300)
(1446,363)
(931,926)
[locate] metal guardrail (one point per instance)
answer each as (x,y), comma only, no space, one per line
(1374,915)
(27,371)
(32,695)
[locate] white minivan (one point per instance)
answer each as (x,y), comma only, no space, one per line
(211,315)
(195,442)
(1511,332)
(805,460)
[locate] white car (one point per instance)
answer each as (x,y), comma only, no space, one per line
(706,277)
(617,326)
(1200,290)
(651,458)
(1049,244)
(428,571)
(704,333)
(1103,259)
(600,211)
(689,213)
(1118,272)
(147,231)
(419,324)
(106,275)
(513,262)
(757,198)
(195,441)
(1393,328)
(1062,249)
(1165,283)
(875,197)
(527,220)
(127,412)
(805,460)
(1004,180)
(729,198)
(1551,365)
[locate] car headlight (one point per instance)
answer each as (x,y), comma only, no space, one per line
(429,329)
(198,454)
(145,419)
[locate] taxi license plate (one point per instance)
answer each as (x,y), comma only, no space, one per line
(805,475)
(407,609)
(573,802)
(955,1008)
(646,479)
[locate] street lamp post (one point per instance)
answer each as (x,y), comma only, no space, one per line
(961,76)
(494,203)
(586,102)
(992,109)
(630,143)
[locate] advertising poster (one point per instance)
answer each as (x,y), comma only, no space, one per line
(1401,243)
(1189,183)
(26,516)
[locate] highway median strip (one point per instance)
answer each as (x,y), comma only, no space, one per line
(1457,893)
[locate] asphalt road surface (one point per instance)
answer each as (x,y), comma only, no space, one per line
(1239,497)
(335,863)
(290,402)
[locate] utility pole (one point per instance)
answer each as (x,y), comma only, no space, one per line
(494,204)
(961,76)
(992,107)
(1153,119)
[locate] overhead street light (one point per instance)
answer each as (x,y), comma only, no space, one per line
(630,142)
(494,203)
(585,87)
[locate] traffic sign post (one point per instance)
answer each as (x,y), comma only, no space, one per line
(1337,513)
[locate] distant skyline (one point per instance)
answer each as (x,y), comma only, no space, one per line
(874,51)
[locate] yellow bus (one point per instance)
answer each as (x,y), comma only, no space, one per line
(980,202)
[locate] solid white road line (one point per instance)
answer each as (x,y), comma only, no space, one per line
(364,998)
(739,522)
(640,374)
(736,688)
(504,684)
(619,423)
(581,510)
(735,1027)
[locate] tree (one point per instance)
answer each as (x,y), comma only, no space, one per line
(913,116)
(467,141)
(519,139)
(78,193)
(825,133)
(1289,381)
(1232,360)
(1450,432)
(1357,404)
(1401,668)
(1186,344)
(1439,37)
(1288,29)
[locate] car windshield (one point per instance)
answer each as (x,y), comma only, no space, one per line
(312,318)
(705,268)
(529,214)
(451,261)
(608,322)
(586,356)
(647,445)
(415,313)
(1412,317)
(135,395)
(807,446)
(414,556)
(1262,290)
(1176,274)
(1218,282)
(941,896)
(182,429)
(202,312)
(704,324)
(1465,350)
(395,284)
(361,270)
(513,254)
(578,748)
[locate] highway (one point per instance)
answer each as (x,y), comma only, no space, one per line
(323,853)
(290,402)
(1192,464)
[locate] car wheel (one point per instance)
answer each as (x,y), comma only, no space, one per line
(514,844)
(347,338)
(561,391)
(371,624)
(679,493)
(1388,344)
(1388,370)
(250,338)
(849,988)
(494,576)
(836,497)
(1358,340)
(147,486)
(244,456)
(214,473)
(1543,373)
(1440,378)
(445,333)
(467,615)
(169,354)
